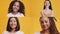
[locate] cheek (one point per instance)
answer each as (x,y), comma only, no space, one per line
(45,26)
(18,8)
(48,25)
(10,23)
(13,25)
(13,7)
(45,4)
(48,4)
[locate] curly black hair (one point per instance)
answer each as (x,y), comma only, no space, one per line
(21,8)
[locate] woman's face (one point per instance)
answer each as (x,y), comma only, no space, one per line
(47,4)
(45,24)
(13,23)
(16,7)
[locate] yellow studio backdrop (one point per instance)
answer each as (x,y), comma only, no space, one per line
(30,23)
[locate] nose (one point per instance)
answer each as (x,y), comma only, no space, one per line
(13,22)
(44,23)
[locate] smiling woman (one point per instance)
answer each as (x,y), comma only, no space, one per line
(16,9)
(13,26)
(48,26)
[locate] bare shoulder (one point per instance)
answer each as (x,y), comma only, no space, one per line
(50,10)
(42,11)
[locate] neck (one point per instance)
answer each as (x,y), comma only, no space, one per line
(47,7)
(13,30)
(46,32)
(14,12)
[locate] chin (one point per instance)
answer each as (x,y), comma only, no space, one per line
(12,28)
(44,28)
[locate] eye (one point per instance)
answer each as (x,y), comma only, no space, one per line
(10,20)
(14,21)
(42,22)
(17,5)
(14,5)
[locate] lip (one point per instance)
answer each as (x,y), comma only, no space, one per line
(43,26)
(15,8)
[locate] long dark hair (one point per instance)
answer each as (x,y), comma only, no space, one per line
(52,29)
(21,8)
(8,25)
(50,7)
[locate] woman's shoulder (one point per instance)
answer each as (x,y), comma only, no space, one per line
(5,32)
(42,10)
(19,32)
(37,33)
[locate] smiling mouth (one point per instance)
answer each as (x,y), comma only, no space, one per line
(15,8)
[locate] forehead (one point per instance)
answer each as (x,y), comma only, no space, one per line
(12,19)
(44,19)
(16,3)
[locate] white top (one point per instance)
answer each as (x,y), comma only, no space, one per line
(37,33)
(17,15)
(18,32)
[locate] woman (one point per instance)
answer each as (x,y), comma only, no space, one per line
(16,9)
(13,26)
(48,26)
(47,11)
